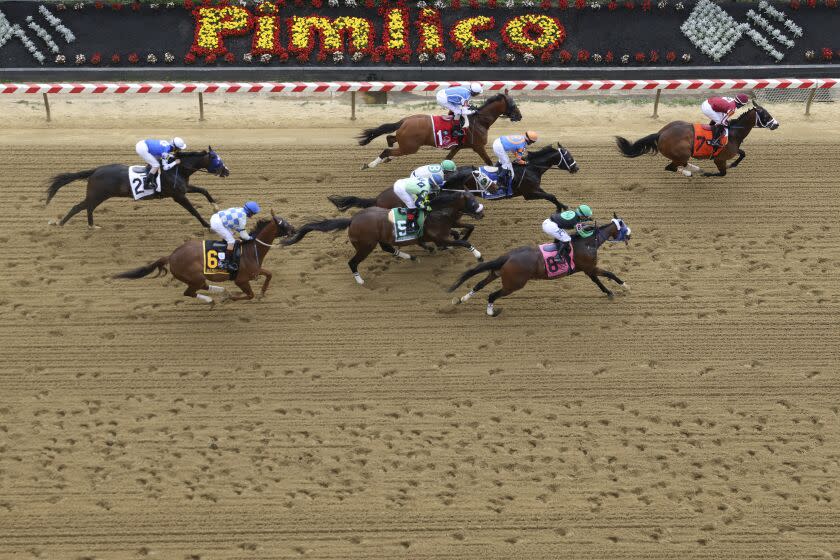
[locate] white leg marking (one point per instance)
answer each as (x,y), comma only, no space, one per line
(684,171)
(626,286)
(475,252)
(467,296)
(205,299)
(403,255)
(358,278)
(375,162)
(693,167)
(215,289)
(490,309)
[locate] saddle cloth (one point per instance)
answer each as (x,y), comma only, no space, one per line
(211,251)
(492,173)
(556,267)
(399,217)
(442,132)
(137,179)
(702,137)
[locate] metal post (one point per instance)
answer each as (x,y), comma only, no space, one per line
(47,107)
(352,105)
(200,106)
(811,95)
(656,105)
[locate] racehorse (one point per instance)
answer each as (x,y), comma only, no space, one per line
(112,180)
(676,142)
(417,130)
(526,263)
(187,263)
(526,178)
(371,226)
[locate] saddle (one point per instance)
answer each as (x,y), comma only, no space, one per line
(402,231)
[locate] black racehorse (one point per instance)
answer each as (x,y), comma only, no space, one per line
(526,178)
(111,180)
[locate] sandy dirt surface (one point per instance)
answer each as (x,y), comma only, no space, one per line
(693,417)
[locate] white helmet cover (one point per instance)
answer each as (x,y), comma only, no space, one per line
(476,88)
(179,143)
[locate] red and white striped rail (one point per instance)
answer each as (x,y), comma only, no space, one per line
(336,87)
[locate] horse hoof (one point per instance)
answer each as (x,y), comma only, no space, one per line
(610,295)
(495,312)
(626,286)
(456,300)
(215,207)
(364,166)
(358,278)
(94,228)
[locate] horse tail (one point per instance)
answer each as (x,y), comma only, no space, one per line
(646,145)
(334,224)
(483,267)
(368,134)
(159,265)
(345,203)
(65,179)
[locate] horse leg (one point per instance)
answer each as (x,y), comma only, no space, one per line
(461,243)
(741,155)
(721,165)
(362,253)
(491,299)
(193,288)
(91,206)
(468,229)
(391,139)
(390,153)
(184,201)
(671,167)
(396,252)
(247,291)
(613,277)
(203,191)
(482,153)
(73,211)
(542,195)
(452,152)
(267,273)
(594,277)
(682,167)
(490,277)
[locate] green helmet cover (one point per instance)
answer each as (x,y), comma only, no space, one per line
(584,210)
(448,165)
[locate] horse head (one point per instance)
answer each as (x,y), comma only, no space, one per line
(502,105)
(763,118)
(459,201)
(623,231)
(215,165)
(511,109)
(567,160)
(284,228)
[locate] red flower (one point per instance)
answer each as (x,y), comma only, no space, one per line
(653,56)
(473,4)
(812,3)
(646,5)
(580,4)
(565,56)
(583,55)
(670,56)
(115,58)
(135,6)
(189,58)
(827,54)
(794,4)
(629,5)
(455,4)
(96,59)
(317,3)
(491,4)
(134,58)
(230,57)
(828,3)
(116,6)
(98,5)
(612,6)
(563,4)
(188,4)
(640,57)
(369,4)
(545,4)
(546,57)
(608,57)
(210,59)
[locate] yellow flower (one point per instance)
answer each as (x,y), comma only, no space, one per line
(431,38)
(396,29)
(359,28)
(464,33)
(303,27)
(551,32)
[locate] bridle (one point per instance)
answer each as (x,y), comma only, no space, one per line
(279,223)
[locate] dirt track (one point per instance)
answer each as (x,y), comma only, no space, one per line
(696,416)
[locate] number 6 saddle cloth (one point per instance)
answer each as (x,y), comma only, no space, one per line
(211,251)
(555,267)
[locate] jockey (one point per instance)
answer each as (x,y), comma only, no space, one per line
(517,144)
(558,223)
(154,152)
(436,174)
(457,101)
(230,221)
(415,193)
(719,109)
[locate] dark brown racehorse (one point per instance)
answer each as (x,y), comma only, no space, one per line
(416,130)
(526,178)
(187,263)
(371,226)
(526,263)
(676,139)
(111,181)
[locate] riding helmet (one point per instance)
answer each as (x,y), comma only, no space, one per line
(741,99)
(475,88)
(252,207)
(583,211)
(179,143)
(531,136)
(448,165)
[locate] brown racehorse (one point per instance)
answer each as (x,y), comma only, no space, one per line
(526,263)
(187,262)
(371,226)
(675,141)
(416,130)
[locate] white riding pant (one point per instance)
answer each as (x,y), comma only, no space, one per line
(502,155)
(555,231)
(719,118)
(399,190)
(457,110)
(217,226)
(143,152)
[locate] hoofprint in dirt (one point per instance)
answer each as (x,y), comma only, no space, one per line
(328,421)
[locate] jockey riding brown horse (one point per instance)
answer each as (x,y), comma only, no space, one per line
(187,262)
(526,263)
(676,142)
(417,130)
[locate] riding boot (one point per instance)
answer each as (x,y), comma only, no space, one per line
(718,130)
(458,128)
(149,183)
(411,220)
(562,250)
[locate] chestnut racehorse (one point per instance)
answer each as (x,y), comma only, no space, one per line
(416,130)
(187,262)
(526,263)
(675,141)
(371,226)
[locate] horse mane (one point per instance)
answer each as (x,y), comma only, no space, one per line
(490,100)
(193,154)
(261,223)
(745,113)
(541,154)
(445,198)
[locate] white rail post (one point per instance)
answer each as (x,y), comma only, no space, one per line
(352,105)
(200,106)
(811,95)
(47,107)
(655,114)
